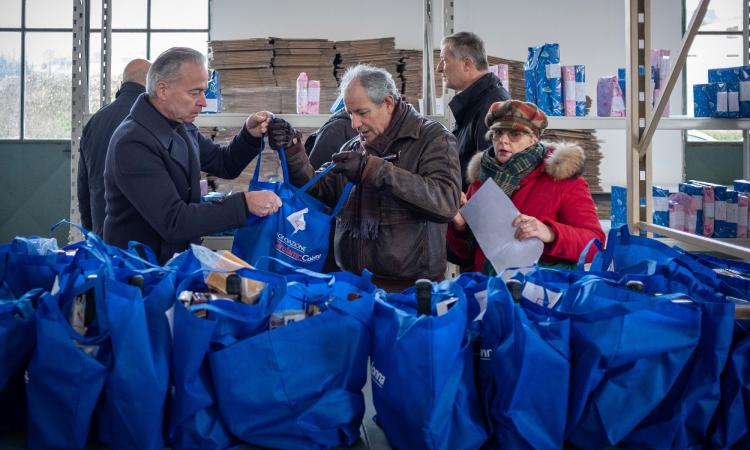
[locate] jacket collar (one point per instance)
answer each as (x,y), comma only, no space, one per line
(130,89)
(144,113)
(465,101)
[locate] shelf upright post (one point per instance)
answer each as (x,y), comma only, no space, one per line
(745,61)
(79,104)
(638,164)
(448,29)
(428,66)
(106,71)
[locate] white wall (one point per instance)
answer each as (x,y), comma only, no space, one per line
(590,32)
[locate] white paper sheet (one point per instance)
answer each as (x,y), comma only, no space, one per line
(490,213)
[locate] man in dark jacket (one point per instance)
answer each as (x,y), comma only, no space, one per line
(329,138)
(463,64)
(96,135)
(153,165)
(407,183)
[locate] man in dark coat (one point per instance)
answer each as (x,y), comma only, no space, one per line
(463,64)
(329,138)
(96,135)
(153,165)
(407,183)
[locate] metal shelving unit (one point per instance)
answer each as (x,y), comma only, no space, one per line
(643,120)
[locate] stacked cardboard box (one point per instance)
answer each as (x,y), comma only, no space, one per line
(316,58)
(247,80)
(411,76)
(515,76)
(376,52)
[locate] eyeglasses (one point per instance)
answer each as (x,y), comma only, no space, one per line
(513,135)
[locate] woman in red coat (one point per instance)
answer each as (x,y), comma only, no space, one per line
(543,181)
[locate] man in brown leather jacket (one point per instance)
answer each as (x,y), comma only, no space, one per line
(407,183)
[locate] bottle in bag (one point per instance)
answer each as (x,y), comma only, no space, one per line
(515,289)
(424,297)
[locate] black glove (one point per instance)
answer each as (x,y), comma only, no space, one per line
(350,164)
(281,134)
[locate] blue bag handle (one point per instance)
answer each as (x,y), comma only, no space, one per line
(256,174)
(585,252)
(92,244)
(133,247)
(344,193)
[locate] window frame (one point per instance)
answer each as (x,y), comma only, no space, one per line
(23,30)
(739,33)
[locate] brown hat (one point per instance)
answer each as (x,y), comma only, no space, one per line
(516,115)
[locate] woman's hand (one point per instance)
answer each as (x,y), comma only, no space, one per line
(528,227)
(458,222)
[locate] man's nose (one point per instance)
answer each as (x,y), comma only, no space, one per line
(356,123)
(202,100)
(440,67)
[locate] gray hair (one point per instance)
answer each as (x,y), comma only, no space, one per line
(465,44)
(377,82)
(167,66)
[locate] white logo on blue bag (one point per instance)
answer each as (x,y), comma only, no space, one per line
(485,354)
(377,377)
(297,219)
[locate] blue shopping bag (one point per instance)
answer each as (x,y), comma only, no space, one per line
(23,267)
(683,417)
(297,233)
(193,420)
(628,349)
(730,427)
(67,371)
(524,372)
(300,385)
(422,373)
(17,340)
(108,374)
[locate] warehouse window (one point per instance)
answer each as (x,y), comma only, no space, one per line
(718,44)
(35,55)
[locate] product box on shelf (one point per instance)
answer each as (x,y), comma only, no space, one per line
(704,100)
(580,90)
(609,100)
(721,228)
(542,71)
(729,76)
(744,77)
(569,89)
(696,192)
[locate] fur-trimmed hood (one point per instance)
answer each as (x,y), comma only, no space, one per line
(564,160)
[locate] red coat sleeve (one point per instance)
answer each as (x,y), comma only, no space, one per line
(577,222)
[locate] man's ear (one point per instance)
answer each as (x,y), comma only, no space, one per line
(467,64)
(389,102)
(161,89)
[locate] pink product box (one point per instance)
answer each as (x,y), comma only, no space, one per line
(682,212)
(501,71)
(743,204)
(709,211)
(313,97)
(569,90)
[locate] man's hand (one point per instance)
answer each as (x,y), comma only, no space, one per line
(528,227)
(262,203)
(257,123)
(350,164)
(281,134)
